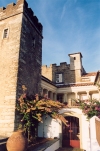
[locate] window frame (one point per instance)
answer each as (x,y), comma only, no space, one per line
(57,78)
(5,33)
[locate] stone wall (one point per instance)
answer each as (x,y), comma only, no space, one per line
(71,72)
(20,59)
(69,76)
(47,71)
(30,55)
(64,68)
(9,55)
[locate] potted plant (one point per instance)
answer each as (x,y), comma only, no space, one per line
(17,141)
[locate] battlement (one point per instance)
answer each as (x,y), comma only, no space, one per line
(62,64)
(46,67)
(12,9)
(20,7)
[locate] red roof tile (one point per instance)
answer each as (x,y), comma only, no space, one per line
(89,74)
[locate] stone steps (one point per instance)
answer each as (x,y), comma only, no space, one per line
(69,149)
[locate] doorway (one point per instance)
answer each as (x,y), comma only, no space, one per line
(71,134)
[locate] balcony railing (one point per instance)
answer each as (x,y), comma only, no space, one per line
(72,103)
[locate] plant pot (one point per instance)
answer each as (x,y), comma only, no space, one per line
(17,142)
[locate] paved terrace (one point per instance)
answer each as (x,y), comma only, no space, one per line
(40,146)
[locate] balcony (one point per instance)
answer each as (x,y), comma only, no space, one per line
(72,103)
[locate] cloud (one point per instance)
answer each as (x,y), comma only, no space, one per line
(69,26)
(63,11)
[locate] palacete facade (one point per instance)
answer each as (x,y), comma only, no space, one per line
(21,36)
(66,83)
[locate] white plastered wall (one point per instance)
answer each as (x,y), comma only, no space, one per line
(51,128)
(92,144)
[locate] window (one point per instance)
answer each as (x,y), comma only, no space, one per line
(5,34)
(74,58)
(59,78)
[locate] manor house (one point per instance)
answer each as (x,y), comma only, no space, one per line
(21,36)
(66,83)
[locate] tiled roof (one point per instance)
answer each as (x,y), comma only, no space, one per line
(89,74)
(47,80)
(76,85)
(98,74)
(67,85)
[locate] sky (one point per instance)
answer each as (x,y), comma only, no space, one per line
(69,26)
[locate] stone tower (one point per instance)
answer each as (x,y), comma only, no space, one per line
(76,68)
(20,59)
(65,73)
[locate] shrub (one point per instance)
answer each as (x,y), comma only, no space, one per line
(33,108)
(89,107)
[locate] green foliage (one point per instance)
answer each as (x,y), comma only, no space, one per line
(89,107)
(33,108)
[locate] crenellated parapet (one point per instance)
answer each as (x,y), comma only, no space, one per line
(12,9)
(28,12)
(62,64)
(21,6)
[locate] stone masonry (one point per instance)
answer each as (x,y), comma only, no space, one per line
(20,59)
(71,72)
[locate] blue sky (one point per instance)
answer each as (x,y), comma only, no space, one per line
(69,26)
